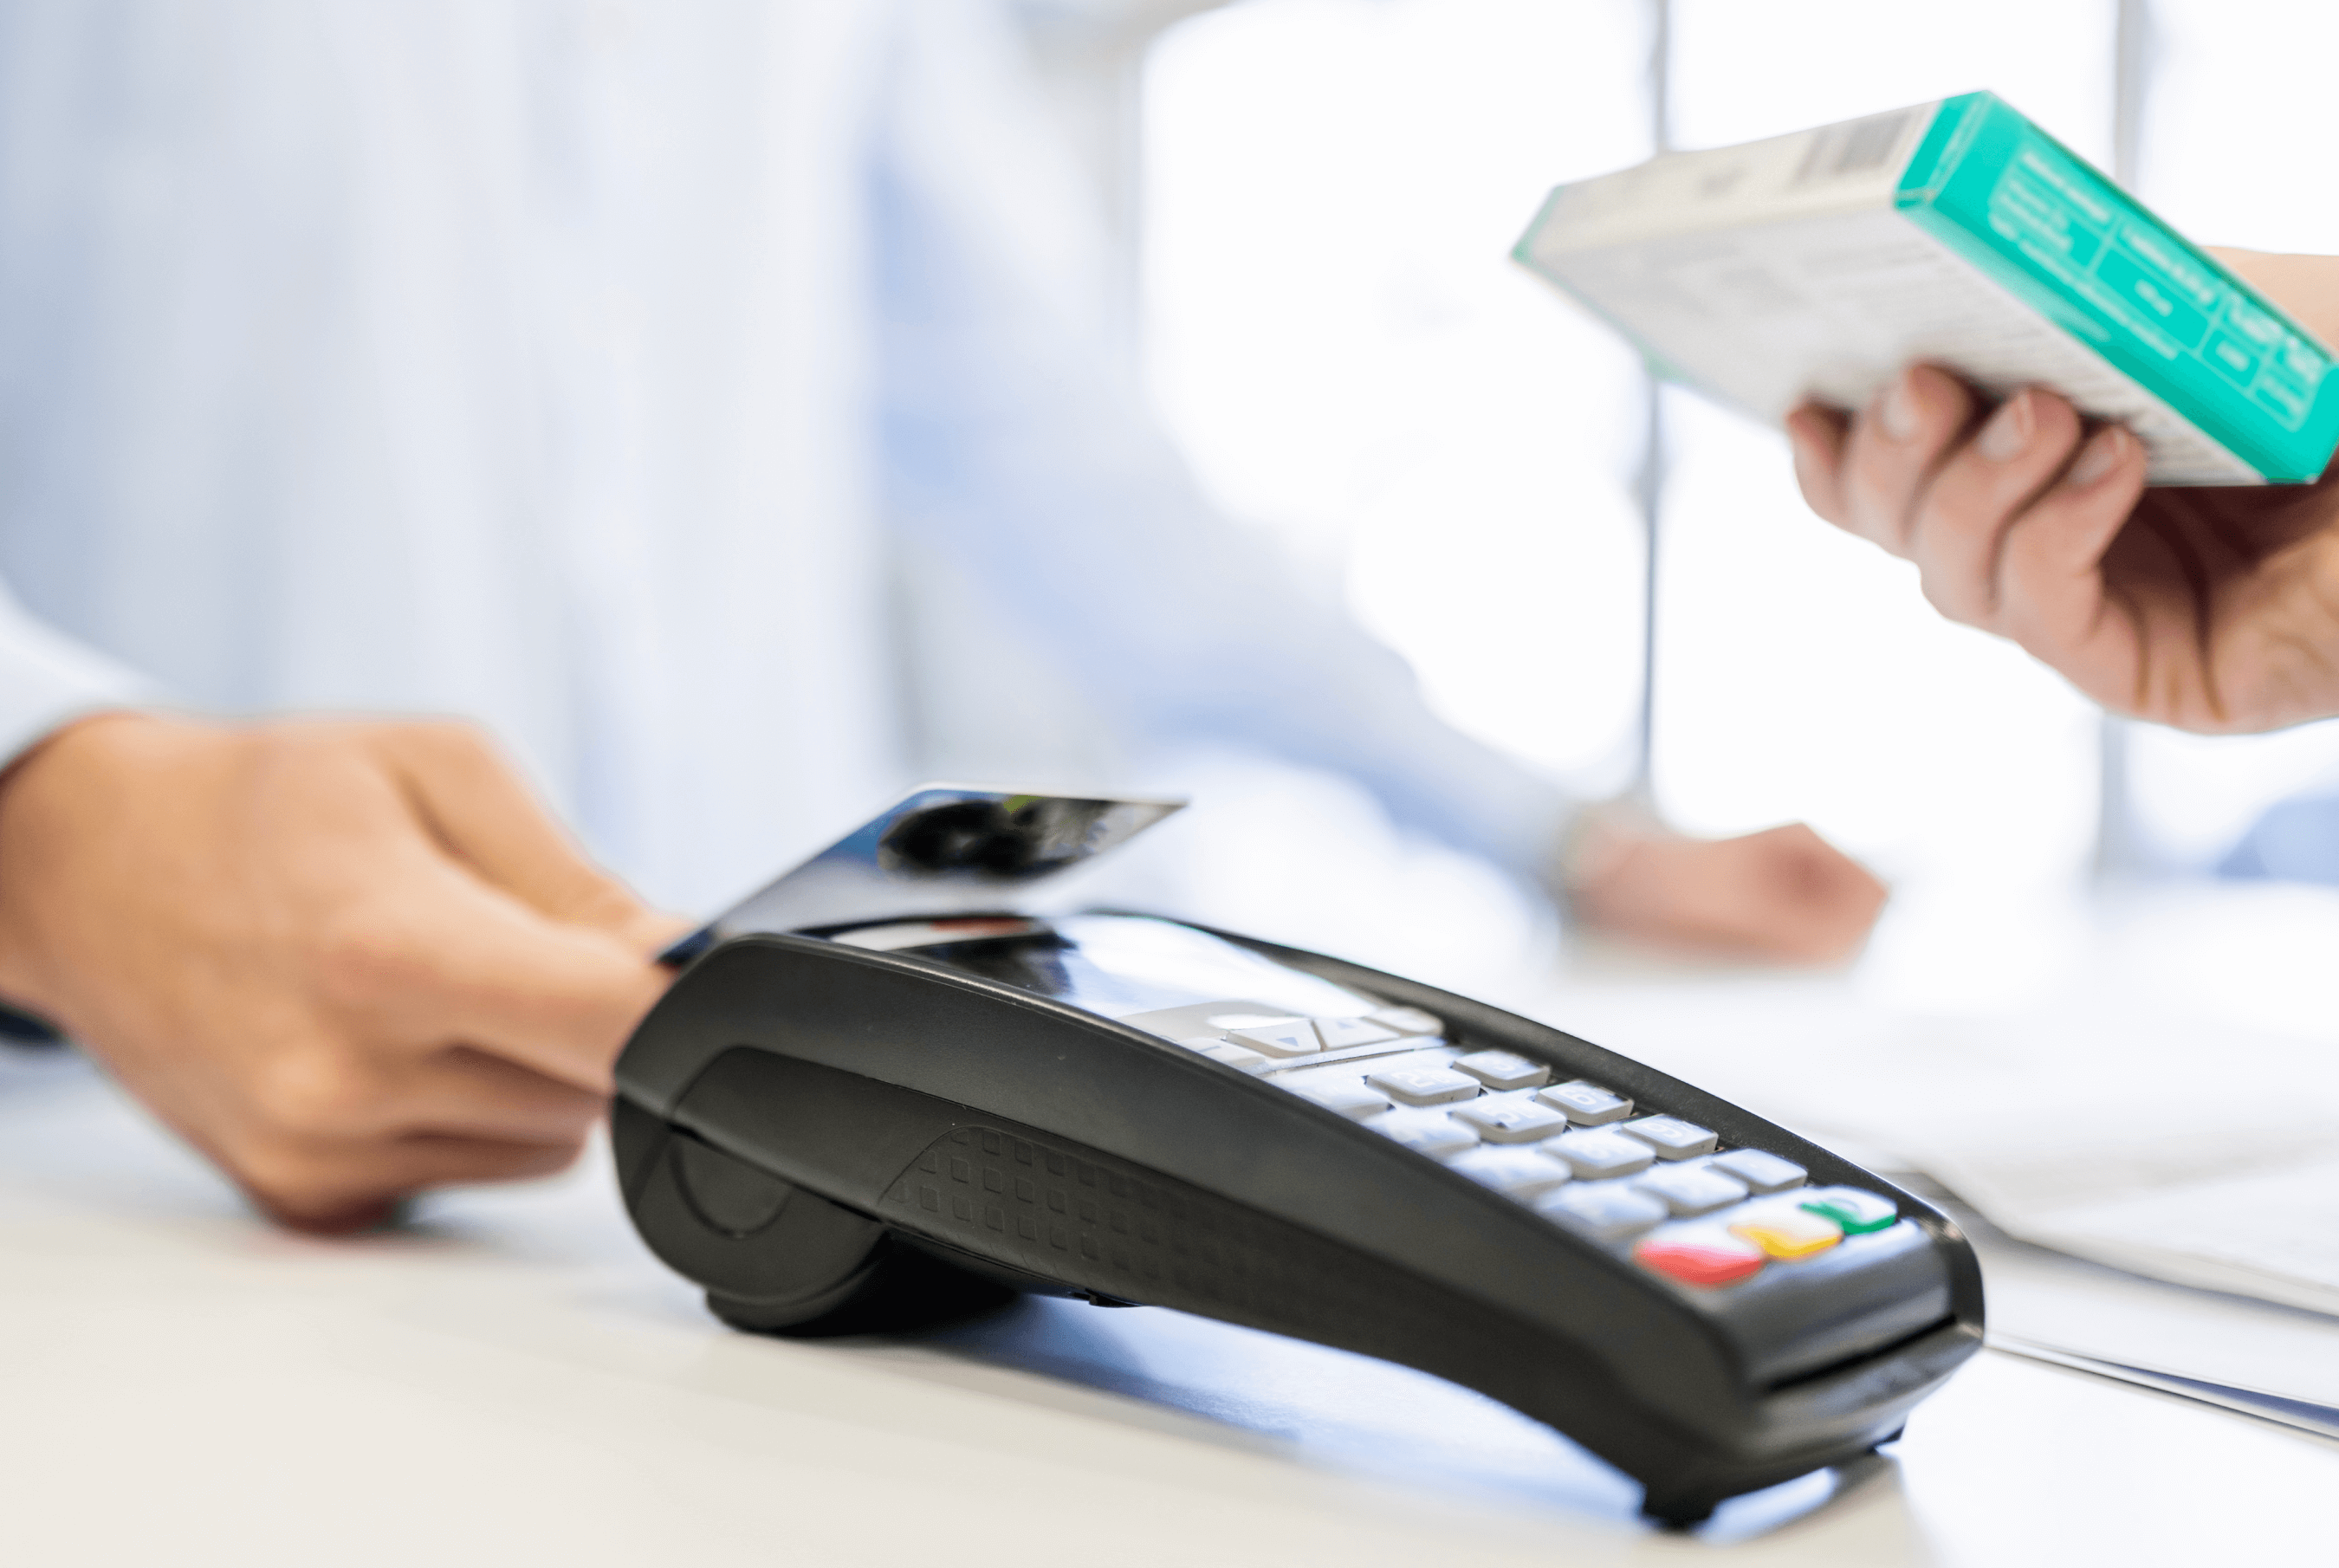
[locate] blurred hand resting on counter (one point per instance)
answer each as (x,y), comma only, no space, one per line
(345,961)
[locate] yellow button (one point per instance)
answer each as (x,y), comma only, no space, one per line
(1784,1231)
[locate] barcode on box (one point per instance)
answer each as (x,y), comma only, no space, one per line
(1854,147)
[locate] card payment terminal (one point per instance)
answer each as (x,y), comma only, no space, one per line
(883,1093)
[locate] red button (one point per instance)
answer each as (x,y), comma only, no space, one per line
(1719,1259)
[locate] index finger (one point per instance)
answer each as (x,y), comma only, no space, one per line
(447,959)
(1896,445)
(1816,435)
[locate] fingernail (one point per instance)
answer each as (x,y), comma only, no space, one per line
(2008,431)
(2097,457)
(1897,412)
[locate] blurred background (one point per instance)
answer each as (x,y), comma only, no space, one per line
(1315,199)
(449,358)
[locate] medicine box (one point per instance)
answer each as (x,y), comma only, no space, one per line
(1813,265)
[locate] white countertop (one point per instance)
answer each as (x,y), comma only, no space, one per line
(514,1380)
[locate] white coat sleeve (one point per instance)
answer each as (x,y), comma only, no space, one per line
(47,680)
(1018,439)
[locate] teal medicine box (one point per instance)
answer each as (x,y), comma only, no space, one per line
(1813,265)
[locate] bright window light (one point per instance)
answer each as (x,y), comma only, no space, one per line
(1801,673)
(2235,125)
(1338,338)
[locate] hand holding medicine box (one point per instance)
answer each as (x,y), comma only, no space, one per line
(1813,266)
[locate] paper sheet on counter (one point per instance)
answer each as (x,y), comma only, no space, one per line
(2125,1117)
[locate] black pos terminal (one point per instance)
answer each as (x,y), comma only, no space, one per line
(882,1093)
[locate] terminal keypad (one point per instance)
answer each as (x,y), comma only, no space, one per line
(1501,1070)
(1288,1037)
(1241,1057)
(1338,1033)
(1424,1085)
(1762,1173)
(1522,1172)
(1352,1101)
(1595,1155)
(1506,1119)
(1671,1137)
(1575,1152)
(1587,1104)
(1690,1189)
(1423,1130)
(1610,1210)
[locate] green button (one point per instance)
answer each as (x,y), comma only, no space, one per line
(1856,1211)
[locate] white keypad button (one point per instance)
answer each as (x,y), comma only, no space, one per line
(1353,1066)
(1430,1132)
(1290,1037)
(1597,1153)
(1587,1104)
(1351,1099)
(1423,1085)
(1690,1190)
(1409,1020)
(1522,1173)
(1610,1210)
(1511,1119)
(1760,1171)
(1671,1137)
(1501,1070)
(1339,1033)
(1227,1052)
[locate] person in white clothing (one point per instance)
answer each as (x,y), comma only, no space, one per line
(571,369)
